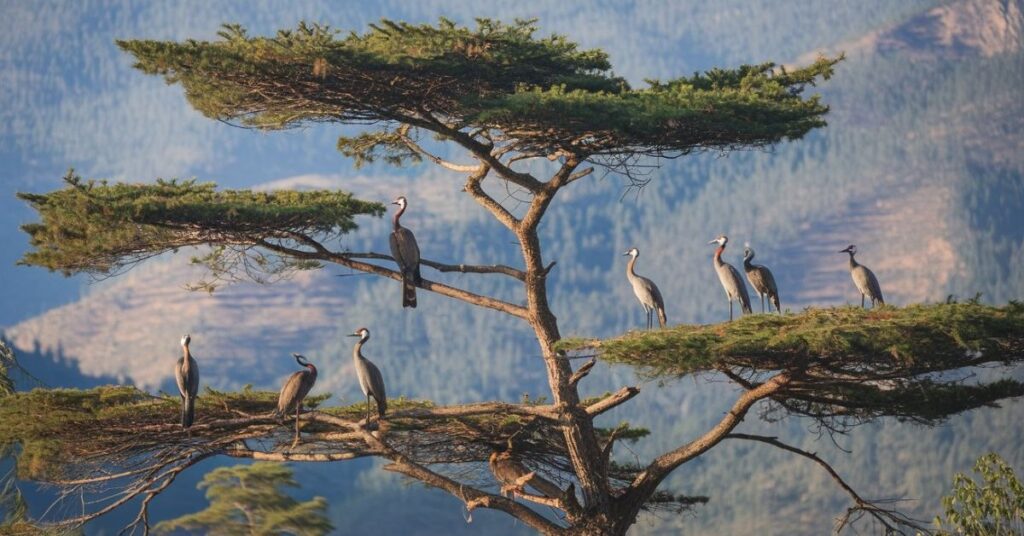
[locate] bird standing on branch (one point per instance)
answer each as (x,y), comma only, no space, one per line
(370,379)
(406,254)
(186,374)
(864,279)
(646,291)
(514,476)
(295,391)
(734,287)
(761,279)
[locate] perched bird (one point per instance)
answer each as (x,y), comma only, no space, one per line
(734,287)
(406,254)
(186,374)
(370,379)
(864,279)
(646,291)
(514,476)
(295,391)
(761,279)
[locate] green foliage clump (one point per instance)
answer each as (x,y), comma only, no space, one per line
(918,338)
(248,500)
(96,227)
(844,364)
(993,507)
(544,93)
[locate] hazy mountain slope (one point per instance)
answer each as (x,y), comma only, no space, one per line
(921,167)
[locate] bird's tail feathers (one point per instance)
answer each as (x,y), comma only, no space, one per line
(188,411)
(408,293)
(745,305)
(382,407)
(416,275)
(662,320)
(775,301)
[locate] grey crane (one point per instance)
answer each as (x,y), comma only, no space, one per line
(646,291)
(370,379)
(186,374)
(761,279)
(864,279)
(406,254)
(514,476)
(734,287)
(295,390)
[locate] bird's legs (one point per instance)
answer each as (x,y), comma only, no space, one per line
(298,406)
(762,302)
(730,309)
(862,301)
(367,410)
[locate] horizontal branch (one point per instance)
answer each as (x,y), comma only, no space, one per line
(442,267)
(323,254)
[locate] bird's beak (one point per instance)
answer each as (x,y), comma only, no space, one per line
(394,202)
(625,254)
(715,241)
(353,334)
(844,250)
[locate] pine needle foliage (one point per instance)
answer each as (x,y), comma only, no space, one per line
(848,363)
(100,228)
(539,94)
(250,500)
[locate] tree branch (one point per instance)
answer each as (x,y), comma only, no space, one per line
(402,133)
(322,253)
(647,481)
(890,519)
(441,267)
(617,398)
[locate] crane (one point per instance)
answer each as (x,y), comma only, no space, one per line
(761,279)
(514,476)
(406,254)
(186,374)
(864,279)
(646,291)
(370,379)
(295,390)
(730,278)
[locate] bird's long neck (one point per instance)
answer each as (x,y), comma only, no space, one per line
(718,255)
(747,260)
(631,268)
(186,357)
(398,214)
(311,368)
(357,353)
(853,262)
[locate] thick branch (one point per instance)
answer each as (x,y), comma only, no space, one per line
(616,399)
(890,519)
(647,482)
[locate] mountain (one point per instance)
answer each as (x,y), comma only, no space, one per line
(921,166)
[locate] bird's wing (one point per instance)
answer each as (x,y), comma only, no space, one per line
(410,249)
(659,302)
(289,392)
(376,381)
(873,286)
(396,251)
(756,276)
(179,378)
(769,281)
(193,377)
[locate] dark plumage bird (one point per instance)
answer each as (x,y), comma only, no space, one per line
(295,391)
(646,291)
(512,475)
(406,254)
(864,279)
(370,379)
(734,287)
(761,279)
(186,374)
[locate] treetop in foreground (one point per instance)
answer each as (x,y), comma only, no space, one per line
(845,364)
(541,95)
(99,227)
